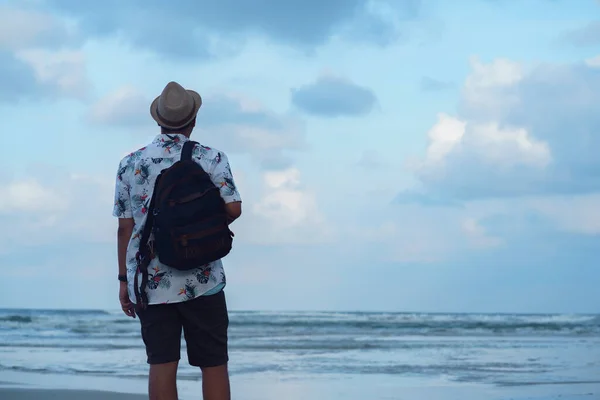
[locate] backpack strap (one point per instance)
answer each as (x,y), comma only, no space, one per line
(144,254)
(188,149)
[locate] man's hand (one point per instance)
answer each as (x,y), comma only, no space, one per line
(126,305)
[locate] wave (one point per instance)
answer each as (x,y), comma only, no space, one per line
(136,371)
(105,324)
(426,324)
(463,325)
(276,346)
(31,316)
(17,318)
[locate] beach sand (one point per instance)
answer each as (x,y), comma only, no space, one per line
(326,390)
(271,386)
(66,394)
(52,394)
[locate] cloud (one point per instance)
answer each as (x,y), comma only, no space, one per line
(477,234)
(199,26)
(39,74)
(572,214)
(225,120)
(381,23)
(586,36)
(593,62)
(28,196)
(519,132)
(63,70)
(54,206)
(33,63)
(16,78)
(404,236)
(332,96)
(428,84)
(287,212)
(125,106)
(22,28)
(490,88)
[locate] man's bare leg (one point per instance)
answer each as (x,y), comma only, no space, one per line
(215,383)
(162,384)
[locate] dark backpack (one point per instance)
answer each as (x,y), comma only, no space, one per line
(188,218)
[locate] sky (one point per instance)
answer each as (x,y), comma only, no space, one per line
(391,155)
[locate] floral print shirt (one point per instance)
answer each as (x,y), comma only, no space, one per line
(134,186)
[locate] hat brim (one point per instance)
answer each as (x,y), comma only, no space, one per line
(154,112)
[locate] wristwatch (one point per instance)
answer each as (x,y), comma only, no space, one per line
(123,278)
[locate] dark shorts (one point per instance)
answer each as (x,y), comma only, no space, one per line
(204,321)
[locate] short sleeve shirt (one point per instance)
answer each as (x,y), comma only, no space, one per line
(136,175)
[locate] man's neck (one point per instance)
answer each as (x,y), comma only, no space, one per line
(187,135)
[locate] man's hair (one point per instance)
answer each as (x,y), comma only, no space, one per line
(178,130)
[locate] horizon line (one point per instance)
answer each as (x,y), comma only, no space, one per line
(3,308)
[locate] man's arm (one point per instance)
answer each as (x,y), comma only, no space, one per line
(124,232)
(233,210)
(223,178)
(122,210)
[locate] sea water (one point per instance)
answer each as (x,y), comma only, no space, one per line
(498,350)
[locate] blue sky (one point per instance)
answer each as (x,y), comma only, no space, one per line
(418,155)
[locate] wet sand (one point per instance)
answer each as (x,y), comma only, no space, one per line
(269,386)
(57,394)
(66,394)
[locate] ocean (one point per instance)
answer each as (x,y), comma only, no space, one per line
(493,350)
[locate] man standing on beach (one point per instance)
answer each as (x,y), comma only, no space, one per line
(170,300)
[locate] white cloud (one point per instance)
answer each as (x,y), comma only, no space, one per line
(285,211)
(35,57)
(518,132)
(406,234)
(453,140)
(71,206)
(243,125)
(485,87)
(573,214)
(284,203)
(20,28)
(478,235)
(444,136)
(63,69)
(499,73)
(30,196)
(508,147)
(126,105)
(593,62)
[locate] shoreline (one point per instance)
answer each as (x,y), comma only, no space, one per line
(269,386)
(27,393)
(23,393)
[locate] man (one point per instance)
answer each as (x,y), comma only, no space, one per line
(192,300)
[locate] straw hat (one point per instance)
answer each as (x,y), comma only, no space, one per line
(175,107)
